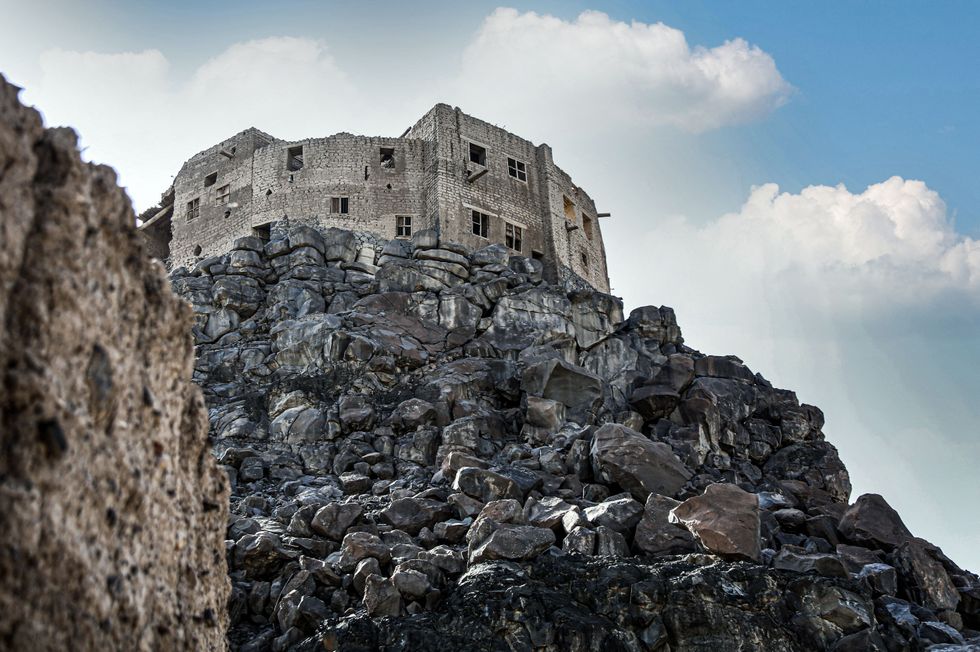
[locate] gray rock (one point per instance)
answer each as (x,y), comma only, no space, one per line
(610,543)
(882,578)
(656,535)
(515,542)
(635,463)
(364,569)
(338,245)
(923,575)
(548,511)
(485,485)
(578,389)
(413,413)
(425,239)
(619,513)
(413,514)
(333,520)
(412,584)
(381,597)
(801,562)
(655,401)
(580,540)
(360,545)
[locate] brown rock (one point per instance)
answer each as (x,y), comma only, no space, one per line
(923,576)
(871,520)
(106,467)
(725,519)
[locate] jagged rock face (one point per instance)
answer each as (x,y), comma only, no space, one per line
(112,507)
(438,437)
(433,449)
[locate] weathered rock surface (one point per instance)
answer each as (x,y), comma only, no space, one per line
(872,520)
(724,519)
(632,461)
(112,505)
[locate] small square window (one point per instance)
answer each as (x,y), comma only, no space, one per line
(517,169)
(388,157)
(222,195)
(211,179)
(569,209)
(193,208)
(403,226)
(263,231)
(294,158)
(339,205)
(514,237)
(481,224)
(478,154)
(587,225)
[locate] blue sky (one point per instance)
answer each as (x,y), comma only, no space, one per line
(718,140)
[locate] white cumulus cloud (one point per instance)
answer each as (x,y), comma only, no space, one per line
(134,113)
(822,251)
(597,69)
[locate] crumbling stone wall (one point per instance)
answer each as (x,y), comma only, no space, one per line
(111,527)
(215,225)
(342,166)
(431,180)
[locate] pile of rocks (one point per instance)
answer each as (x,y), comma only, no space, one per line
(440,437)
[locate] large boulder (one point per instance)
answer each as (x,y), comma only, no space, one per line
(114,510)
(579,390)
(923,577)
(725,519)
(623,456)
(871,520)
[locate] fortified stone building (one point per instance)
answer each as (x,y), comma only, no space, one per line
(473,182)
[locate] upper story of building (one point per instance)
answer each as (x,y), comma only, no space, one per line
(475,183)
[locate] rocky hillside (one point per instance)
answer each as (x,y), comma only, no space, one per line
(111,507)
(431,448)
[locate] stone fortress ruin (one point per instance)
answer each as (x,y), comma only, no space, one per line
(474,183)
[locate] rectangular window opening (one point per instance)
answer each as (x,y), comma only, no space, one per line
(387,157)
(587,225)
(403,226)
(517,169)
(193,208)
(537,255)
(223,194)
(585,261)
(263,231)
(294,158)
(478,154)
(210,180)
(481,224)
(339,205)
(569,209)
(514,236)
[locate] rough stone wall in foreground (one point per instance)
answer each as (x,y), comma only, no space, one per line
(112,508)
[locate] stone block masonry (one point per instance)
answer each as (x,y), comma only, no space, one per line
(473,182)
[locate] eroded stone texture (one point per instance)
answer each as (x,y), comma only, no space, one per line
(725,519)
(415,436)
(113,508)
